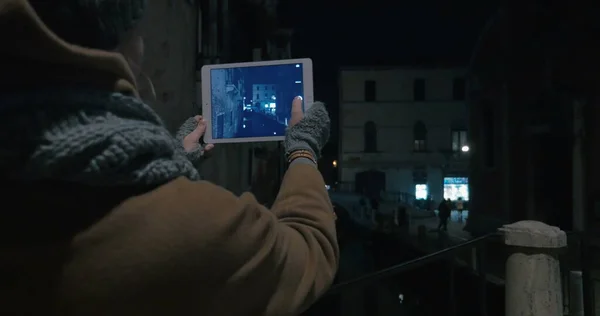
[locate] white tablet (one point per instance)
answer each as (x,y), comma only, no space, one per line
(251,102)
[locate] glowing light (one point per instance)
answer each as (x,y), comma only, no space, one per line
(297,65)
(244,126)
(465,149)
(421,191)
(273,97)
(334,163)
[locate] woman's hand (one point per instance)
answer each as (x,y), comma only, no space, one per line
(190,135)
(191,142)
(307,131)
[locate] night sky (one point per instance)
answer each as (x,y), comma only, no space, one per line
(380,32)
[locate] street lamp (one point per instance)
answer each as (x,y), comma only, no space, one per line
(334,163)
(465,148)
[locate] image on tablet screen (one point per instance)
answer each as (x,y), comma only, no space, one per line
(253,101)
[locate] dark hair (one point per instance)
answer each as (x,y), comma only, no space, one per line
(90,23)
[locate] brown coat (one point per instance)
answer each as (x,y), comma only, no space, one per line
(183,248)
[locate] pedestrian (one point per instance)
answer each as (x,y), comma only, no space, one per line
(459,204)
(460,208)
(109,215)
(443,215)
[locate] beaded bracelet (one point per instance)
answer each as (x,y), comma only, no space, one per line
(295,156)
(301,154)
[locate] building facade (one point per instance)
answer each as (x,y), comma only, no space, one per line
(404,130)
(533,103)
(227,101)
(239,31)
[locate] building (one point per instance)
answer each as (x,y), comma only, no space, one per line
(227,101)
(170,59)
(404,129)
(264,98)
(239,31)
(533,94)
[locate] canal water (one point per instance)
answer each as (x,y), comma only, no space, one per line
(420,292)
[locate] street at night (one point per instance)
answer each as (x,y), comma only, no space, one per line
(255,122)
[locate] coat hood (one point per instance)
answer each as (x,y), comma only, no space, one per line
(32,54)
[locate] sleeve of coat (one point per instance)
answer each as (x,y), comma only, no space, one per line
(287,256)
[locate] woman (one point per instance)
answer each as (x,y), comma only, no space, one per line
(107,215)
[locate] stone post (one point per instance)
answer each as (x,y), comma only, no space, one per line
(576,293)
(533,282)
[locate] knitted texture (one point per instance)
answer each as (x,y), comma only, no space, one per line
(311,133)
(195,156)
(85,136)
(90,23)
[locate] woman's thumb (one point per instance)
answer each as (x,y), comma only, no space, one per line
(297,113)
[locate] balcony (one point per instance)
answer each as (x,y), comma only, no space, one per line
(417,270)
(458,278)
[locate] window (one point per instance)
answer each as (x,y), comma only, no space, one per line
(370,137)
(257,96)
(488,136)
(459,140)
(420,145)
(419,89)
(421,191)
(370,91)
(459,89)
(420,136)
(456,188)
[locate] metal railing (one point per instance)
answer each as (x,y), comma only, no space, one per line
(389,196)
(446,253)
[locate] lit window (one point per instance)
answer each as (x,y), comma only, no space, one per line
(456,188)
(421,191)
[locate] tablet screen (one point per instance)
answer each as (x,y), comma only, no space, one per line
(253,101)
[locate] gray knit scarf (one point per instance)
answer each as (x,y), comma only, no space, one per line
(87,136)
